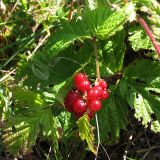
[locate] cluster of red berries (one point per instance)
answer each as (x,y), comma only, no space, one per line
(85,98)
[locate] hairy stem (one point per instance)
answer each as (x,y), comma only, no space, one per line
(96,55)
(150,34)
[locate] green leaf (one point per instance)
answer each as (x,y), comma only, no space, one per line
(27,128)
(60,40)
(95,19)
(141,89)
(112,118)
(24,4)
(112,24)
(33,119)
(143,70)
(85,132)
(113,57)
(139,39)
(29,98)
(41,71)
(63,90)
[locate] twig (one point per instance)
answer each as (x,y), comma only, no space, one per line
(40,43)
(148,151)
(12,11)
(6,76)
(150,34)
(105,151)
(71,10)
(147,138)
(96,55)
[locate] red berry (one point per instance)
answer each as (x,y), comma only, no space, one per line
(69,99)
(78,115)
(68,107)
(95,105)
(79,78)
(79,106)
(99,88)
(83,85)
(104,95)
(93,93)
(103,84)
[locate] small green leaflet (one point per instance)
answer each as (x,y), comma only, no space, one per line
(85,132)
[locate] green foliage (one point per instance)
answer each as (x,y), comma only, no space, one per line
(141,87)
(34,119)
(32,95)
(112,58)
(112,24)
(112,117)
(65,37)
(100,22)
(139,39)
(85,132)
(91,4)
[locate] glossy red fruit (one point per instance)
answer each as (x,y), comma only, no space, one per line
(68,107)
(69,99)
(104,95)
(83,85)
(78,115)
(103,84)
(99,88)
(79,78)
(95,105)
(79,106)
(93,93)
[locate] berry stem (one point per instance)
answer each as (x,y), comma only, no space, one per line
(98,136)
(150,34)
(96,55)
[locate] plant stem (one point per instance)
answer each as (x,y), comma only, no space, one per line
(98,136)
(71,10)
(96,55)
(150,34)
